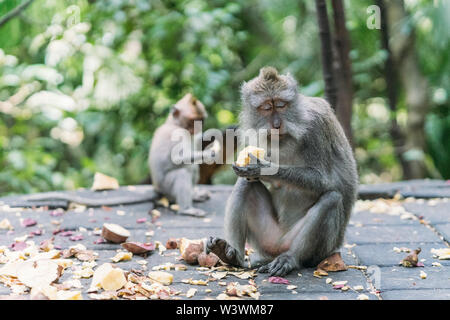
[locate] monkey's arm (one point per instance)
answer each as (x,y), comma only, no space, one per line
(303,177)
(193,157)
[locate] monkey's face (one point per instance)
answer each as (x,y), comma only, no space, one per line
(190,123)
(268,102)
(189,113)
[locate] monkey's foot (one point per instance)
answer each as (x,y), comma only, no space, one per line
(201,195)
(193,212)
(280,266)
(223,250)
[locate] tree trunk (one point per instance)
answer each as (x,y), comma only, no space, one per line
(415,85)
(326,52)
(390,74)
(343,75)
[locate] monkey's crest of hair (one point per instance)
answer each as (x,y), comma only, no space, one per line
(268,73)
(191,106)
(269,84)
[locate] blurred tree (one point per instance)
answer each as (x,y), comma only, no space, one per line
(415,86)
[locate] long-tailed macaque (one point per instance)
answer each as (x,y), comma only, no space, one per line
(297,216)
(176,178)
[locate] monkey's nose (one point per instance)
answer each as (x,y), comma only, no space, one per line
(276,124)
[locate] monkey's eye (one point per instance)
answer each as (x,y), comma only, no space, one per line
(266,106)
(280,104)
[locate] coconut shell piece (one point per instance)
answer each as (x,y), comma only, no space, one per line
(333,263)
(138,247)
(115,233)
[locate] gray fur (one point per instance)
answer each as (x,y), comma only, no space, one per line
(177,181)
(312,194)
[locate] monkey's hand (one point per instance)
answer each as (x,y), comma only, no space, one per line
(209,155)
(280,266)
(223,250)
(253,170)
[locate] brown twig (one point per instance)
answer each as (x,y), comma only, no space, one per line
(15,12)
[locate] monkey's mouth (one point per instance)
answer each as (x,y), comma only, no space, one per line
(277,134)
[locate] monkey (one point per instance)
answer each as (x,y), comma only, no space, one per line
(297,216)
(177,181)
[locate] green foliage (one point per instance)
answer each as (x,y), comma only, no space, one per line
(84,84)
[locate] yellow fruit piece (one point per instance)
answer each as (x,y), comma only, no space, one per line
(113,280)
(244,156)
(162,277)
(104,182)
(69,295)
(122,256)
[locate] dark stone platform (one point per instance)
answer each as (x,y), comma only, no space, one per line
(370,240)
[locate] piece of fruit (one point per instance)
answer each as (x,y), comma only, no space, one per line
(244,156)
(190,249)
(162,277)
(104,182)
(40,273)
(114,279)
(99,274)
(122,256)
(138,247)
(333,263)
(172,243)
(115,233)
(207,260)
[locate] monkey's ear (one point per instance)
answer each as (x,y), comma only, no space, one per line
(175,112)
(268,73)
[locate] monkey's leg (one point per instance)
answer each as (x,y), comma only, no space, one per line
(313,238)
(201,195)
(250,215)
(179,187)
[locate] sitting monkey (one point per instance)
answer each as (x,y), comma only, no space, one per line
(297,216)
(177,181)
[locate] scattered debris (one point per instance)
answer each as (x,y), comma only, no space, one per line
(191,292)
(138,247)
(279,280)
(162,277)
(115,233)
(441,254)
(333,263)
(5,224)
(412,260)
(191,249)
(207,260)
(172,243)
(122,256)
(104,182)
